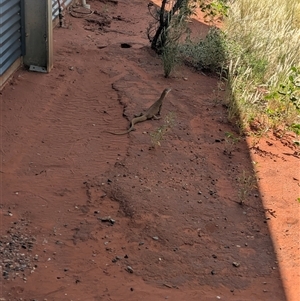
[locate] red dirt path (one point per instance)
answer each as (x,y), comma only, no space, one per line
(173,210)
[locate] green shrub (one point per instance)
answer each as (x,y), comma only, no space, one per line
(208,54)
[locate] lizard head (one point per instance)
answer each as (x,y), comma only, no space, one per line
(166,91)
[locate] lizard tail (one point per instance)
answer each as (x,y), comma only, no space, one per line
(123,133)
(133,122)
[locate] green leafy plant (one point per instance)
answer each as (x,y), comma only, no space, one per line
(214,9)
(296,129)
(283,105)
(290,91)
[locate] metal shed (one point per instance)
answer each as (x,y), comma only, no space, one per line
(26,28)
(12,45)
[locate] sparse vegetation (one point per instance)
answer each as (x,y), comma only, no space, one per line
(246,182)
(230,143)
(159,134)
(170,58)
(257,54)
(171,22)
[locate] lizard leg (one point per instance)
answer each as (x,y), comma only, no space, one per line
(156,117)
(159,110)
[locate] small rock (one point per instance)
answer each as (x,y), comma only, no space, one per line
(116,259)
(101,46)
(167,285)
(236,264)
(129,269)
(155,238)
(107,219)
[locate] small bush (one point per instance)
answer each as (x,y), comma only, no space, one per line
(170,58)
(208,54)
(177,26)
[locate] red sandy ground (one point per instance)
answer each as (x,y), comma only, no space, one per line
(178,221)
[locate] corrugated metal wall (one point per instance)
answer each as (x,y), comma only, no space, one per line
(12,44)
(10,33)
(63,3)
